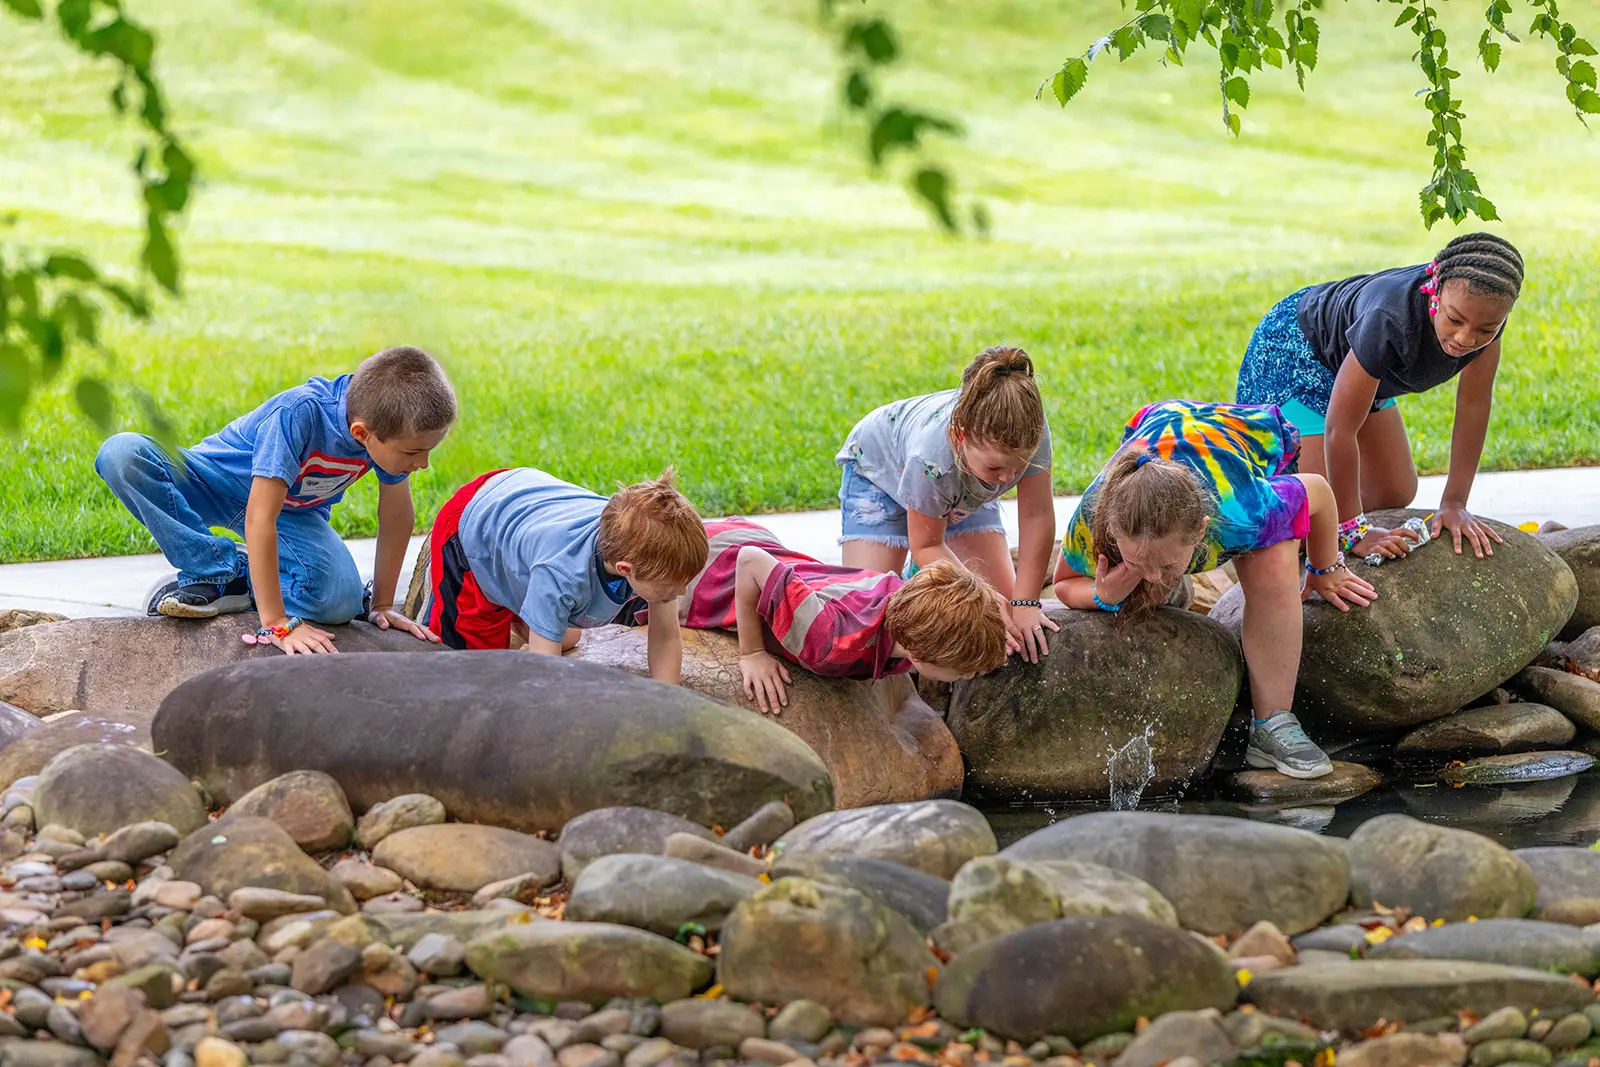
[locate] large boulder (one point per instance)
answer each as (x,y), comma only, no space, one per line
(1437,872)
(245,850)
(587,961)
(16,723)
(1044,731)
(880,740)
(121,668)
(502,738)
(1444,630)
(935,836)
(917,895)
(1081,978)
(97,788)
(1222,875)
(27,755)
(1580,550)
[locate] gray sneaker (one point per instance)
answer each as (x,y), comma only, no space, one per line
(1281,743)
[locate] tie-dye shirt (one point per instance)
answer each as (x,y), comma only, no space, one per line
(828,619)
(1243,454)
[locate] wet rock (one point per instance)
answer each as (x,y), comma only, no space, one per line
(1436,871)
(1542,946)
(463,858)
(1517,767)
(656,893)
(1352,997)
(695,849)
(1347,780)
(1221,874)
(395,814)
(769,823)
(1569,883)
(1406,1050)
(365,880)
(98,788)
(1576,697)
(1498,729)
(1580,549)
(881,743)
(1179,1033)
(439,955)
(609,831)
(700,1024)
(1042,731)
(991,896)
(1081,978)
(920,897)
(308,804)
(604,738)
(587,961)
(239,851)
(865,963)
(936,836)
(27,755)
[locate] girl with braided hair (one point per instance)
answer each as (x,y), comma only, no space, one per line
(1333,357)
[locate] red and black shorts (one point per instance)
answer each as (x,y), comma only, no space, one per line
(459,612)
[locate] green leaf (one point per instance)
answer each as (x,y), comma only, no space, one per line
(1580,47)
(873,38)
(159,257)
(94,399)
(1189,15)
(1490,51)
(1232,122)
(1156,25)
(66,266)
(134,303)
(1582,72)
(77,316)
(1273,57)
(980,219)
(1127,41)
(1237,90)
(16,382)
(74,16)
(1069,79)
(1306,55)
(1588,102)
(933,186)
(28,9)
(858,90)
(120,38)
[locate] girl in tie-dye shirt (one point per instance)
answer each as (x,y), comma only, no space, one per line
(1193,486)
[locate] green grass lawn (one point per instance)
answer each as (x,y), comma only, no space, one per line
(642,233)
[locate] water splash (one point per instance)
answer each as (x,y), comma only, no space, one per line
(1130,769)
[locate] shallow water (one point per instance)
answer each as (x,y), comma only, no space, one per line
(1564,811)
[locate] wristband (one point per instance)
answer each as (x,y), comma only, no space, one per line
(1102,605)
(280,631)
(1337,564)
(1027,603)
(1351,531)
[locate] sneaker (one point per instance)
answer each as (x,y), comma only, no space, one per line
(366,599)
(163,588)
(1281,743)
(205,600)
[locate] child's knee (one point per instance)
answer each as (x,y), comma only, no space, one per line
(121,453)
(335,602)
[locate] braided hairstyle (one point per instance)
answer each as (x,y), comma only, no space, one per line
(1487,263)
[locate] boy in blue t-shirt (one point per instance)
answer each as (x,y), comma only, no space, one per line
(273,476)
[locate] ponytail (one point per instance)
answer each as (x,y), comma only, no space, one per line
(999,403)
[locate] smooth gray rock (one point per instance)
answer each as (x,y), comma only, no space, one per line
(936,836)
(1437,872)
(1542,946)
(656,893)
(610,831)
(1569,883)
(918,896)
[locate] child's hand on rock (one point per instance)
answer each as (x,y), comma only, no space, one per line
(1340,586)
(304,640)
(390,619)
(764,678)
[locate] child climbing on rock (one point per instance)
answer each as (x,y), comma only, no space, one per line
(1192,486)
(1334,356)
(842,622)
(521,549)
(925,475)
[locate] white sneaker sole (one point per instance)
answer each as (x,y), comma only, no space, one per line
(1262,761)
(173,608)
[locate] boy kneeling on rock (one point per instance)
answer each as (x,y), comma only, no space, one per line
(842,622)
(522,550)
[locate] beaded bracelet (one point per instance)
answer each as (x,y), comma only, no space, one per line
(1102,605)
(1321,571)
(281,630)
(1351,531)
(1027,603)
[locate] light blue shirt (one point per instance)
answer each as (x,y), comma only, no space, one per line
(301,437)
(533,543)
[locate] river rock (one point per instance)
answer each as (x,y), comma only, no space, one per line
(1406,1050)
(656,893)
(242,850)
(26,756)
(1436,871)
(1198,1034)
(502,738)
(98,788)
(881,741)
(918,896)
(1580,550)
(396,814)
(1569,883)
(762,828)
(1497,729)
(609,831)
(865,963)
(1221,874)
(1269,787)
(17,618)
(992,895)
(1543,946)
(936,836)
(1081,978)
(1406,659)
(308,804)
(463,858)
(1573,695)
(1517,767)
(702,1024)
(122,668)
(365,880)
(1352,997)
(1581,654)
(587,961)
(1045,731)
(16,723)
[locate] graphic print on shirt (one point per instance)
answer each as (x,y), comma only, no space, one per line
(322,478)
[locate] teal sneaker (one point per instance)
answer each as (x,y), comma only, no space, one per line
(1281,743)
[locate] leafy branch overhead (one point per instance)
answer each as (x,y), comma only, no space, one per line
(51,301)
(1247,38)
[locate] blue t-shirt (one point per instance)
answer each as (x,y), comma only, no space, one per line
(533,543)
(301,437)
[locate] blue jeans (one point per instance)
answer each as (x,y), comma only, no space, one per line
(867,513)
(318,578)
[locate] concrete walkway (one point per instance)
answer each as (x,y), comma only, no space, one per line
(117,585)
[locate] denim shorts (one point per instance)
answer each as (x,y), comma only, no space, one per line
(870,514)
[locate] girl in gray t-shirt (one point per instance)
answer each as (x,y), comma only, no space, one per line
(924,475)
